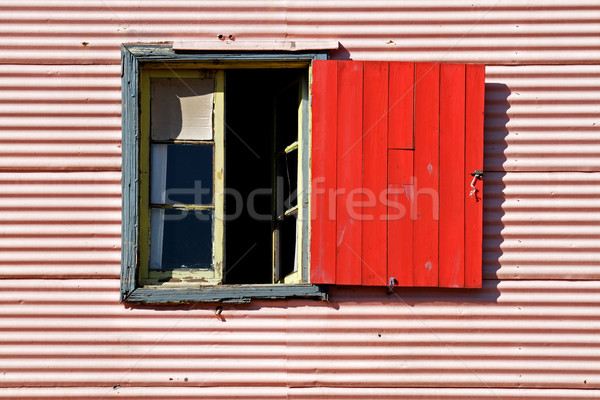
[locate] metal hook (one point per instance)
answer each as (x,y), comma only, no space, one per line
(478,174)
(218,314)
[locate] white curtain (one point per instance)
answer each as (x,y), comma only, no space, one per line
(158,186)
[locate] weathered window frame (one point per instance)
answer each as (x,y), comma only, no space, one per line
(133,57)
(145,274)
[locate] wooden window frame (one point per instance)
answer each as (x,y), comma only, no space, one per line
(211,277)
(136,58)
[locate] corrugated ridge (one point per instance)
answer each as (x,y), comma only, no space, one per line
(73,333)
(542,118)
(60,224)
(60,118)
(541,225)
(535,32)
(181,393)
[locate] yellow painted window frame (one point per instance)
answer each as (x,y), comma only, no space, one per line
(187,278)
(183,277)
(298,275)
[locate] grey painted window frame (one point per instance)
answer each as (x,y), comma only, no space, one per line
(133,56)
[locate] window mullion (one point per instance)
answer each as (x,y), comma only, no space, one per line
(219,175)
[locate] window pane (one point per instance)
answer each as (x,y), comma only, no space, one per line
(181,108)
(181,174)
(181,239)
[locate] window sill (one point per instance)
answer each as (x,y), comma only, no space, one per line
(225,294)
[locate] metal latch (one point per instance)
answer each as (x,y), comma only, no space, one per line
(477,174)
(392,284)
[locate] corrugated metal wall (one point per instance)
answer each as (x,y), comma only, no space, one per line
(531,332)
(490,31)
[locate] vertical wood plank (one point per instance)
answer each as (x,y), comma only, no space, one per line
(401,100)
(323,169)
(426,168)
(452,166)
(400,223)
(130,182)
(375,131)
(349,172)
(474,111)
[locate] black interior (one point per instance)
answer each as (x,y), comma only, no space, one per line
(251,98)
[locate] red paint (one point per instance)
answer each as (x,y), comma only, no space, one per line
(323,169)
(452,163)
(474,109)
(391,172)
(400,224)
(349,172)
(401,93)
(426,168)
(374,145)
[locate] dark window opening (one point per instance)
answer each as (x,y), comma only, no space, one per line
(261,165)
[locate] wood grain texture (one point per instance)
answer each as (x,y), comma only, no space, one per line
(374,147)
(323,180)
(452,166)
(225,294)
(426,168)
(349,172)
(401,101)
(164,52)
(400,222)
(474,111)
(129,181)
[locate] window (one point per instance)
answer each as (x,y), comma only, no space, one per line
(215,175)
(270,175)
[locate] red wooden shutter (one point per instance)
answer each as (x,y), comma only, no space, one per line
(323,171)
(393,148)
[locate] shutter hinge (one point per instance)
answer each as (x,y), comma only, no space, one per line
(392,285)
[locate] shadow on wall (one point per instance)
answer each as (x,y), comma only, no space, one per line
(341,53)
(495,145)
